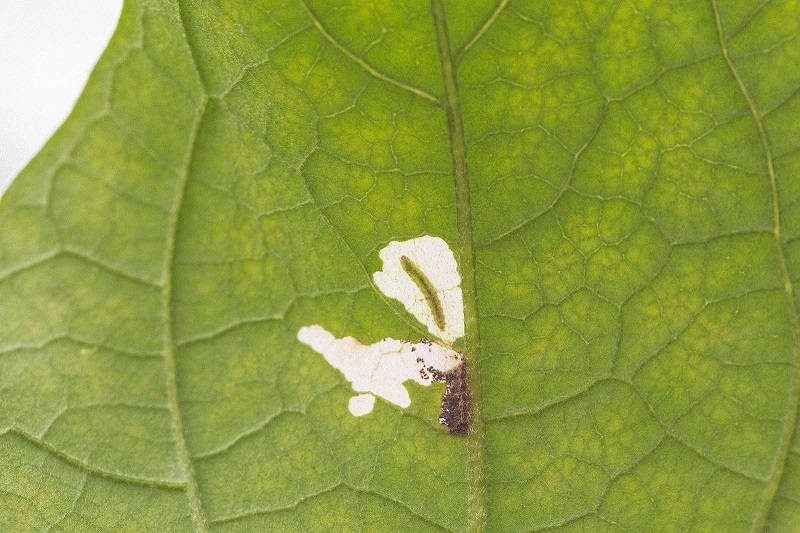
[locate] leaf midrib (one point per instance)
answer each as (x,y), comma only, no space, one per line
(476,482)
(793,401)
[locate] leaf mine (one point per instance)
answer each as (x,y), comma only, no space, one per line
(381,369)
(422,274)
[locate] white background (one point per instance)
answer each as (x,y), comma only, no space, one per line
(47,50)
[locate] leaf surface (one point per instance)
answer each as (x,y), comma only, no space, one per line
(618,181)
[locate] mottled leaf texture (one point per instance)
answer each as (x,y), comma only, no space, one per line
(619,182)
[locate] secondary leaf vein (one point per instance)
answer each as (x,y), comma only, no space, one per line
(86,467)
(499,8)
(360,61)
(170,347)
(793,402)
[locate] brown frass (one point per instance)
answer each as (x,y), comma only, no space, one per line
(456,399)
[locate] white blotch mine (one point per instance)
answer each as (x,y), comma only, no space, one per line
(361,404)
(435,259)
(380,369)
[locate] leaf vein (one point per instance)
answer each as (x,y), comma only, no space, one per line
(261,512)
(680,439)
(566,185)
(499,8)
(476,445)
(192,490)
(361,62)
(82,465)
(793,401)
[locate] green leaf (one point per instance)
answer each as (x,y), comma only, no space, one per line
(618,181)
